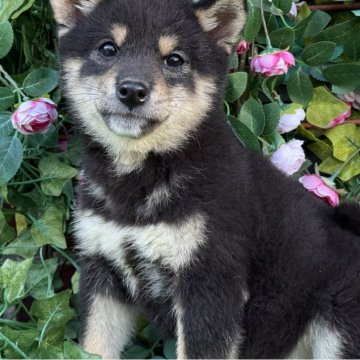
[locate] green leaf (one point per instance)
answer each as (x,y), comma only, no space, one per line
(57,173)
(7,233)
(7,7)
(283,5)
(13,275)
(73,350)
(318,53)
(300,88)
(252,116)
(351,43)
(28,4)
(312,25)
(345,140)
(324,107)
(282,38)
(11,155)
(253,23)
(23,246)
(320,149)
(6,127)
(272,117)
(343,74)
(244,134)
(41,81)
(170,349)
(52,315)
(236,85)
(49,229)
(39,280)
(337,33)
(6,38)
(75,282)
(24,339)
(331,165)
(7,98)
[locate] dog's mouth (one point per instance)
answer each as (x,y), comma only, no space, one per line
(129,124)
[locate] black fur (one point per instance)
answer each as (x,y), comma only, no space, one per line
(296,258)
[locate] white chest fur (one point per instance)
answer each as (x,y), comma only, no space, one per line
(162,244)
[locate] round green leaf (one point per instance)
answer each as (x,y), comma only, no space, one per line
(300,88)
(41,81)
(11,154)
(244,134)
(282,38)
(6,38)
(253,24)
(252,116)
(318,53)
(7,98)
(343,74)
(236,85)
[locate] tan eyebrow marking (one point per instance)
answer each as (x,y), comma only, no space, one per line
(167,44)
(119,33)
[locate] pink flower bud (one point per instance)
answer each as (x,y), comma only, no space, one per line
(317,185)
(340,119)
(270,64)
(289,157)
(34,116)
(242,47)
(290,119)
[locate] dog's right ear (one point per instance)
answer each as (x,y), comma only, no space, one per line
(67,12)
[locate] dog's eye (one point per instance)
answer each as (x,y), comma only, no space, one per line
(108,49)
(174,60)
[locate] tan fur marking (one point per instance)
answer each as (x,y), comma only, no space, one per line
(119,33)
(87,6)
(167,44)
(109,327)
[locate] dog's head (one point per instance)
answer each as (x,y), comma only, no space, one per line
(140,75)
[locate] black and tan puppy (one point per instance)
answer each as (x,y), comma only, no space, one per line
(176,219)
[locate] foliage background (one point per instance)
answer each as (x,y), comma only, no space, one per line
(38,173)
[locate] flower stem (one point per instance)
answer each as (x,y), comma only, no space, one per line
(268,42)
(13,83)
(340,169)
(284,22)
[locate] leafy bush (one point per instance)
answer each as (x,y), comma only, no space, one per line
(38,172)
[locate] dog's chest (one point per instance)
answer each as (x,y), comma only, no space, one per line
(148,257)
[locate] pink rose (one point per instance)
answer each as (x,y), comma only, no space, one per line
(352,98)
(290,119)
(242,47)
(340,119)
(289,157)
(270,64)
(34,116)
(317,185)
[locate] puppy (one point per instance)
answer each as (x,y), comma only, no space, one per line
(175,218)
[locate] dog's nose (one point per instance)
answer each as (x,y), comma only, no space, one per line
(133,93)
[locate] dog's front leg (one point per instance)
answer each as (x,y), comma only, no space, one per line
(209,320)
(107,320)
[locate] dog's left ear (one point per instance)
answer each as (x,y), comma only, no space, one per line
(222,19)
